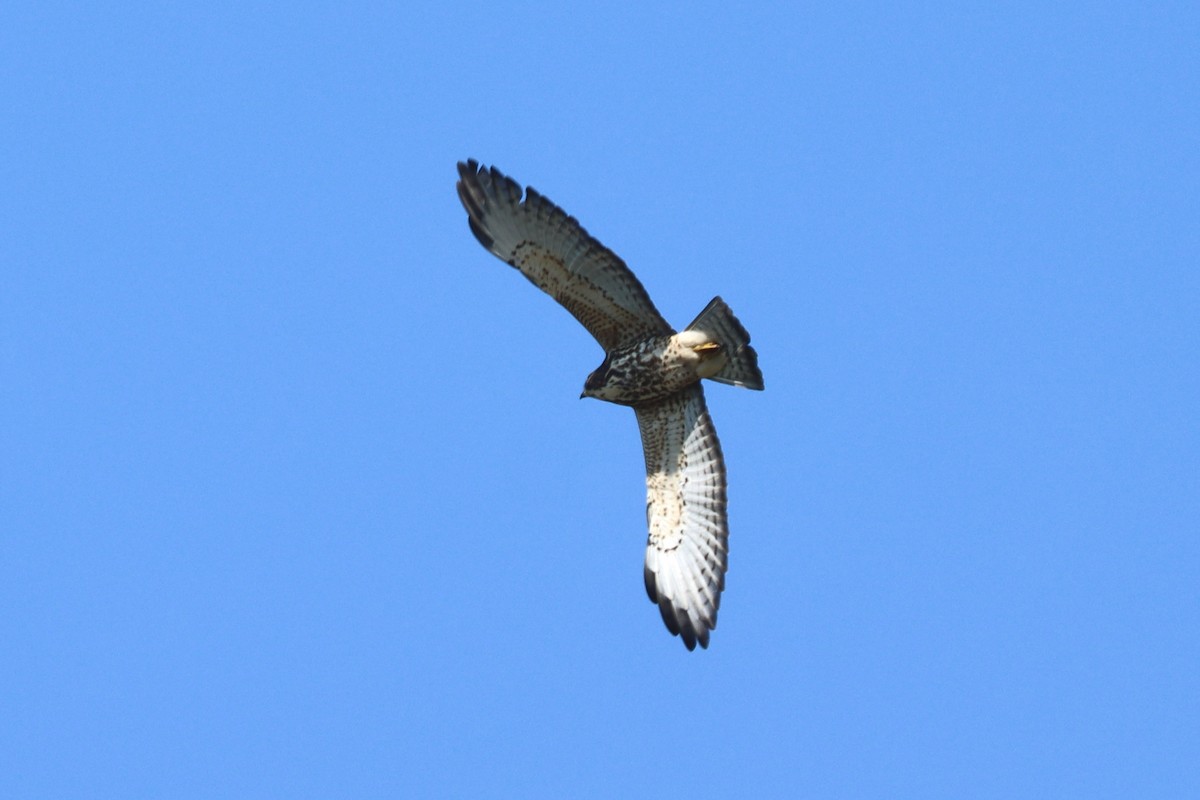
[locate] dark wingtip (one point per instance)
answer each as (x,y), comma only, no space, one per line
(678,622)
(688,633)
(668,616)
(472,195)
(468,169)
(480,234)
(651,588)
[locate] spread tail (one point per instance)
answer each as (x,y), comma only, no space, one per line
(741,367)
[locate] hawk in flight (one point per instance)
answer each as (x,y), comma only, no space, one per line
(648,366)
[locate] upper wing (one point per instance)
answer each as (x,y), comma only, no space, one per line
(557,254)
(686,555)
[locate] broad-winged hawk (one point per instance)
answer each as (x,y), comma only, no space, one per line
(648,366)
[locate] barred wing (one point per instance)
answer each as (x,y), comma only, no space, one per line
(553,251)
(686,555)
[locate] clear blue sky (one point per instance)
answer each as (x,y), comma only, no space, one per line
(298,499)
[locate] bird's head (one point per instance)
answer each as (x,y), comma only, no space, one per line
(595,383)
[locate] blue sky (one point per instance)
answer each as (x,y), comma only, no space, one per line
(297,498)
